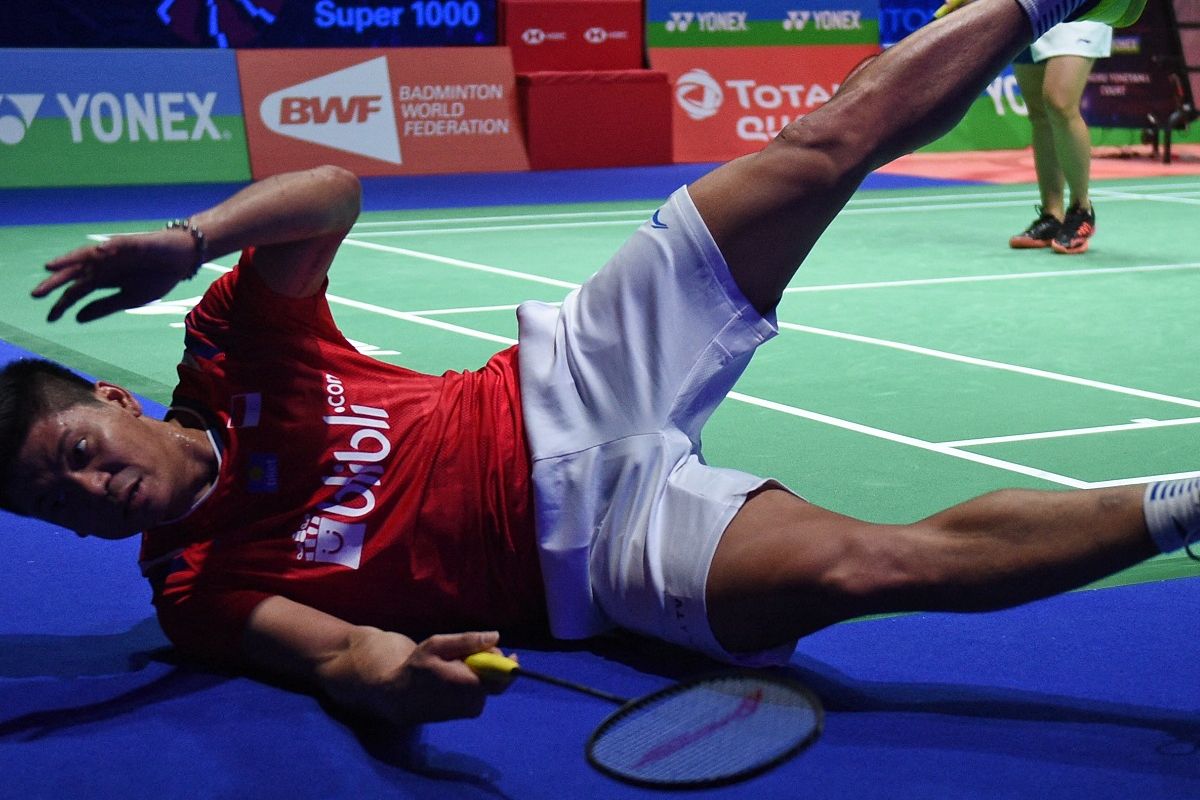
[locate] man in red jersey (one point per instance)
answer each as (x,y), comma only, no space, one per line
(311,513)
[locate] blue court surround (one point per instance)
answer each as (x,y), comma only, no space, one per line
(1088,695)
(116,203)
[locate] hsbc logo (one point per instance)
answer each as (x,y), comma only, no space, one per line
(349,110)
(598,35)
(535,36)
(13,127)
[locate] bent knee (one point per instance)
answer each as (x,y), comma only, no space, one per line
(826,157)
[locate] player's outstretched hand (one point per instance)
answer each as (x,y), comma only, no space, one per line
(437,685)
(141,267)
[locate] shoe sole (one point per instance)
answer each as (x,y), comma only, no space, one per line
(1126,16)
(1017,243)
(1070,251)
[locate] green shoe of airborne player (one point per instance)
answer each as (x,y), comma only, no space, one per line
(1118,13)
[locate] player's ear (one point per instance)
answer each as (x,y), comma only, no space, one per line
(119,396)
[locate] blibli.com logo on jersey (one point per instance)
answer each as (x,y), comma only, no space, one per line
(349,110)
(334,532)
(329,541)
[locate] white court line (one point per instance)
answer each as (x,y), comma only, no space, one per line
(1000,365)
(532,226)
(911,441)
(1108,194)
(458,262)
(406,316)
(1142,479)
(1137,425)
(505,217)
(436,312)
(1007,276)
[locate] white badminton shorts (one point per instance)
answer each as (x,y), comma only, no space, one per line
(615,386)
(1086,38)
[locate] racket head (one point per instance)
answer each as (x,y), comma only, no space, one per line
(707,731)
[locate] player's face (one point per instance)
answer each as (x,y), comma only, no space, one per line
(101,469)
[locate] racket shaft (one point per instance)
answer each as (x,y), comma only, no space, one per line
(578,687)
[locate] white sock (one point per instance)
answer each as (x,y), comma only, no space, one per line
(1045,14)
(1172,510)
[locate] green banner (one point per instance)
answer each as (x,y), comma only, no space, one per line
(110,117)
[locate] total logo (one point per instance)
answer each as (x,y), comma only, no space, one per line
(701,96)
(110,118)
(535,36)
(349,110)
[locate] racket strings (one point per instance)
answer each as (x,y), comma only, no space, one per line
(707,732)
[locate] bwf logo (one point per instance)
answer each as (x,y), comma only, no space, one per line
(13,127)
(349,110)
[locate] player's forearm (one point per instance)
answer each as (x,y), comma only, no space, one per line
(366,675)
(291,207)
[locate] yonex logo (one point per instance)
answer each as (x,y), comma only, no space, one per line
(14,126)
(796,20)
(679,21)
(349,110)
(698,94)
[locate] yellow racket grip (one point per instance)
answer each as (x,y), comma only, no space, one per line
(490,664)
(948,6)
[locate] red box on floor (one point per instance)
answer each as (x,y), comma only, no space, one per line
(572,34)
(596,119)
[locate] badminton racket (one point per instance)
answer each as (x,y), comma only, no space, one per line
(707,731)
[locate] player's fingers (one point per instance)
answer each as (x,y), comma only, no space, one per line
(77,256)
(105,306)
(60,275)
(68,298)
(460,645)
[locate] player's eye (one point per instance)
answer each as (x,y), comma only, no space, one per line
(79,452)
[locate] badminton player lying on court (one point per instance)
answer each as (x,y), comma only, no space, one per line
(305,509)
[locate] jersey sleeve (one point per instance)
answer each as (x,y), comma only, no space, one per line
(203,620)
(240,313)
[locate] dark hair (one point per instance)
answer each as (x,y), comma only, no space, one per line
(29,389)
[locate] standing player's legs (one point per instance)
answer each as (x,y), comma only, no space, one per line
(784,567)
(1063,82)
(1050,179)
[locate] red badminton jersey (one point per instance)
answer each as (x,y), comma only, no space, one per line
(371,492)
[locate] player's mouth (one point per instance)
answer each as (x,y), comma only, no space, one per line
(133,499)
